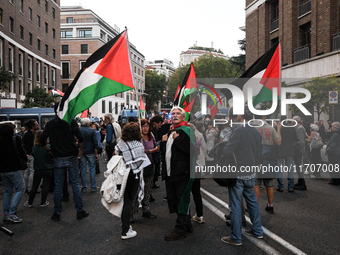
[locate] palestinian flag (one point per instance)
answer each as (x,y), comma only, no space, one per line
(85,114)
(189,87)
(56,93)
(177,91)
(262,76)
(106,72)
(141,107)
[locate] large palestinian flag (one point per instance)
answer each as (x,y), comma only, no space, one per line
(106,72)
(187,93)
(262,76)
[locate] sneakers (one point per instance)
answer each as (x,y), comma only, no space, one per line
(174,236)
(270,209)
(45,204)
(26,204)
(251,233)
(12,218)
(229,240)
(300,187)
(81,215)
(279,190)
(55,217)
(149,215)
(198,219)
(131,233)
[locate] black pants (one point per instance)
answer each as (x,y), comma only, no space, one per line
(38,175)
(129,196)
(196,193)
(174,192)
(299,168)
(335,176)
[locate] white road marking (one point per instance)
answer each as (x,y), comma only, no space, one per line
(273,236)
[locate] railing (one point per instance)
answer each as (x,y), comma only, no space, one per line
(305,7)
(275,24)
(336,42)
(89,20)
(302,53)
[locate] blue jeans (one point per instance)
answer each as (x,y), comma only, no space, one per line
(60,166)
(90,158)
(10,180)
(245,188)
(289,162)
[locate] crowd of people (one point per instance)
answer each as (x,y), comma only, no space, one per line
(63,152)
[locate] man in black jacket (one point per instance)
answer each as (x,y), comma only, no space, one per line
(63,147)
(176,147)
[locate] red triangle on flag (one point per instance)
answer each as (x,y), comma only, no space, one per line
(177,91)
(213,110)
(116,63)
(85,114)
(141,105)
(271,77)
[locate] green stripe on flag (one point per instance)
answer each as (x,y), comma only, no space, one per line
(91,94)
(265,95)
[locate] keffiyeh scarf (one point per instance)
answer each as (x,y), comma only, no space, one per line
(133,154)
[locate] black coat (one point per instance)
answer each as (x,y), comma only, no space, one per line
(9,158)
(180,158)
(333,145)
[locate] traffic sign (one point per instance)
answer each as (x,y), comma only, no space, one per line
(333,97)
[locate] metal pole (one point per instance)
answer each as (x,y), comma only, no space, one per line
(333,112)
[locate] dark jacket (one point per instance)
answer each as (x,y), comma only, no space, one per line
(289,136)
(333,145)
(180,158)
(90,140)
(245,143)
(28,141)
(9,159)
(42,158)
(61,136)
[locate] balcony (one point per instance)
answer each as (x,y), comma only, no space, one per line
(336,42)
(305,8)
(275,24)
(302,53)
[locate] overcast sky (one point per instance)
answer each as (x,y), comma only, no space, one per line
(163,29)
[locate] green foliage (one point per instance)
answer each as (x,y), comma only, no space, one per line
(155,84)
(240,60)
(5,78)
(319,89)
(38,98)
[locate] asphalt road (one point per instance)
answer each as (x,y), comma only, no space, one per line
(304,221)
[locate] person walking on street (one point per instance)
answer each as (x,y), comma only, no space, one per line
(65,151)
(299,151)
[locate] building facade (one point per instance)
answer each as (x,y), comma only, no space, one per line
(309,31)
(165,67)
(30,45)
(82,32)
(192,54)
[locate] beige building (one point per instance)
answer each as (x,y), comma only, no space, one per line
(82,33)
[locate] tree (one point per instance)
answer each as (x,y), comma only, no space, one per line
(5,78)
(155,84)
(319,89)
(240,60)
(38,98)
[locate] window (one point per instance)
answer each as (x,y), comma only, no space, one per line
(134,69)
(46,6)
(45,75)
(10,59)
(46,49)
(53,77)
(116,108)
(84,49)
(39,44)
(85,33)
(109,38)
(38,2)
(103,106)
(0,16)
(65,70)
(29,86)
(64,87)
(1,56)
(29,64)
(30,13)
(53,54)
(21,6)
(69,20)
(21,32)
(11,24)
(64,49)
(38,21)
(66,34)
(38,71)
(53,33)
(46,27)
(53,13)
(138,71)
(142,72)
(81,64)
(30,39)
(21,88)
(21,64)
(110,106)
(102,35)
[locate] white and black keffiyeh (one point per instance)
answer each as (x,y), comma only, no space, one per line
(133,154)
